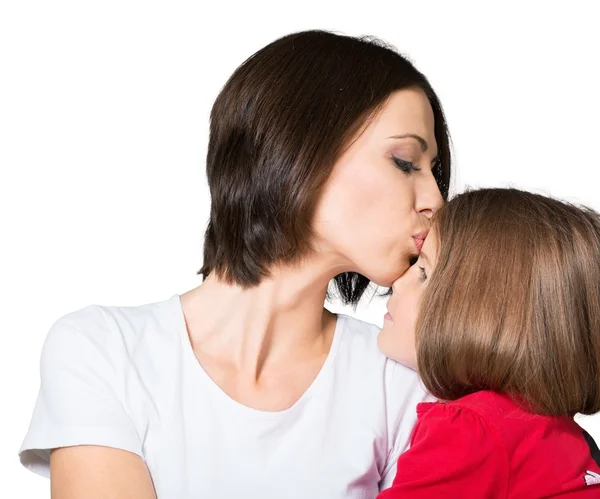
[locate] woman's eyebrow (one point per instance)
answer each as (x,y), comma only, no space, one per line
(422,142)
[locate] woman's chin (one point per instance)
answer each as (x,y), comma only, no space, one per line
(386,277)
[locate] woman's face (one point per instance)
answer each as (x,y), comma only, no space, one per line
(397,337)
(375,208)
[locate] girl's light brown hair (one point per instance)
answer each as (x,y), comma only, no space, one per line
(513,304)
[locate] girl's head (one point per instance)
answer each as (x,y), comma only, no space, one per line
(505,297)
(326,145)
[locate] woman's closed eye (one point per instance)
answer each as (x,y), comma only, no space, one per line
(406,166)
(423,274)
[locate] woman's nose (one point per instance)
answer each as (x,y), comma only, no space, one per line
(429,197)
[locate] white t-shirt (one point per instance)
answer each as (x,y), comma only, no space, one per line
(128,378)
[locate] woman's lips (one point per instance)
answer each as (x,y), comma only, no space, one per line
(420,239)
(388,317)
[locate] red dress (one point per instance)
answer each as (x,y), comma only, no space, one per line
(487,446)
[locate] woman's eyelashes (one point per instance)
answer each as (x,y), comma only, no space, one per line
(423,274)
(406,166)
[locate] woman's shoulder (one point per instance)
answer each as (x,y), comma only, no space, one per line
(358,326)
(361,361)
(385,390)
(113,331)
(125,320)
(95,366)
(359,340)
(358,334)
(357,348)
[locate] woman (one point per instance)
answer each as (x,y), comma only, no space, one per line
(326,158)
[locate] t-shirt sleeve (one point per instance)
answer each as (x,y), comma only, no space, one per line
(78,401)
(401,414)
(454,453)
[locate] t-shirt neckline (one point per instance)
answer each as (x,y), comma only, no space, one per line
(196,367)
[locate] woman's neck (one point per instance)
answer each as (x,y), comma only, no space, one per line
(282,320)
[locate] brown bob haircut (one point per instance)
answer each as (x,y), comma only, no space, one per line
(276,129)
(513,304)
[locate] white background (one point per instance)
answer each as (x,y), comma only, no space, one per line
(103,129)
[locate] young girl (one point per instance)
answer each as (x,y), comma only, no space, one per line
(501,317)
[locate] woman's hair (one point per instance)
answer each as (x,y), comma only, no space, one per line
(513,304)
(276,129)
